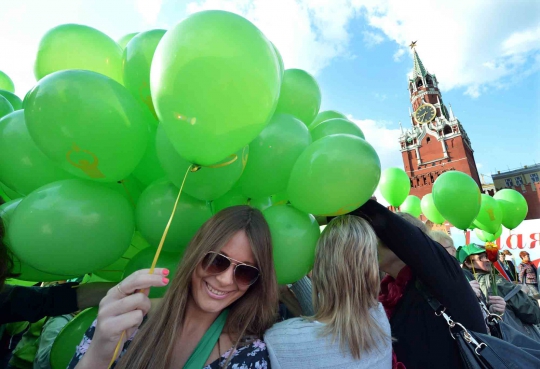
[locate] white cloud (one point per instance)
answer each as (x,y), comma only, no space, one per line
(467,44)
(371,38)
(398,55)
(149,9)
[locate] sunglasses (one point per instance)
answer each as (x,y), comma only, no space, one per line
(216,263)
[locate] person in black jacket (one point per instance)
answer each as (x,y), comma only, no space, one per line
(408,255)
(508,265)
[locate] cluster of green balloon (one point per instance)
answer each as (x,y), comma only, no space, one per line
(430,210)
(6,83)
(13,99)
(514,207)
(490,216)
(300,95)
(5,107)
(70,336)
(457,197)
(412,205)
(143,259)
(71,227)
(395,186)
(488,237)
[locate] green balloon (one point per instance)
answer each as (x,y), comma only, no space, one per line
(65,344)
(325,115)
(490,216)
(232,198)
(334,175)
(395,186)
(129,188)
(300,95)
(8,194)
(488,237)
(124,40)
(412,206)
(514,207)
(457,197)
(144,259)
(208,183)
(280,61)
(13,99)
(71,227)
(214,93)
(280,198)
(149,169)
(74,46)
(23,167)
(5,107)
(261,203)
(294,239)
(137,59)
(336,126)
(430,210)
(115,271)
(272,156)
(87,123)
(6,83)
(154,210)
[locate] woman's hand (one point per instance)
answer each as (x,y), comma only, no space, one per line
(497,304)
(476,288)
(122,309)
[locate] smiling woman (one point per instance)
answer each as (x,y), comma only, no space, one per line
(221,300)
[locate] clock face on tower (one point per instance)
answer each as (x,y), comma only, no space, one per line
(425,113)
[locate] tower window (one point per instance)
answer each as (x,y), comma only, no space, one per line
(447,130)
(428,139)
(419,82)
(429,81)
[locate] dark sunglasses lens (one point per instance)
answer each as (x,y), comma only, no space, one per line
(215,263)
(246,275)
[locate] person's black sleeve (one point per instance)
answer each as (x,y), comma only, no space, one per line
(31,304)
(431,263)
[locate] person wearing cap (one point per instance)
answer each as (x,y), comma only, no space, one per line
(505,259)
(527,273)
(521,311)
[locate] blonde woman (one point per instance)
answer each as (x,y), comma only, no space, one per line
(222,299)
(349,328)
(444,240)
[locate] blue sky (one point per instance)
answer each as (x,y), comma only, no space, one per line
(485,54)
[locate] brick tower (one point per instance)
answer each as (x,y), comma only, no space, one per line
(437,142)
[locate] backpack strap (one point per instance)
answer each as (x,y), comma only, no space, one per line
(513,292)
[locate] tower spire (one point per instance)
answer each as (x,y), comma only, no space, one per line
(451,113)
(418,67)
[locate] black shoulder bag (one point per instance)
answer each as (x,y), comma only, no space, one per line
(482,351)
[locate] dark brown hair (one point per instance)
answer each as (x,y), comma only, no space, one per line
(522,254)
(251,315)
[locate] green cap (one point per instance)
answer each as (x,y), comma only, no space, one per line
(471,249)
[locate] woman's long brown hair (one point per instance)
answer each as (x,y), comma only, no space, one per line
(252,314)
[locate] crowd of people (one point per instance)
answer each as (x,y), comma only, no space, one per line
(363,305)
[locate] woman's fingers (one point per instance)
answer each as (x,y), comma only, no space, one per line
(140,280)
(111,328)
(136,301)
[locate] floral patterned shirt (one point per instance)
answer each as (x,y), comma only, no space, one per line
(251,356)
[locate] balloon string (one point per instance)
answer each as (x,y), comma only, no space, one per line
(232,159)
(128,194)
(158,252)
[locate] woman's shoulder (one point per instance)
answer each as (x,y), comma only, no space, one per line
(291,326)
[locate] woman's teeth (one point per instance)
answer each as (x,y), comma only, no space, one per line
(216,292)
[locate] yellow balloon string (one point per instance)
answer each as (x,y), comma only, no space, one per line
(158,252)
(232,159)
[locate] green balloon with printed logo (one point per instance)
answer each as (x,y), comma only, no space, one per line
(6,83)
(88,124)
(13,99)
(124,40)
(323,116)
(457,197)
(430,210)
(137,59)
(514,207)
(395,186)
(490,217)
(5,107)
(336,126)
(232,198)
(143,260)
(74,46)
(272,156)
(65,344)
(300,95)
(294,239)
(71,227)
(215,82)
(154,209)
(334,175)
(487,237)
(23,167)
(208,183)
(412,206)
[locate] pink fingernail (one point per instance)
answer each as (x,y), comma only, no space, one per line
(166,272)
(165,280)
